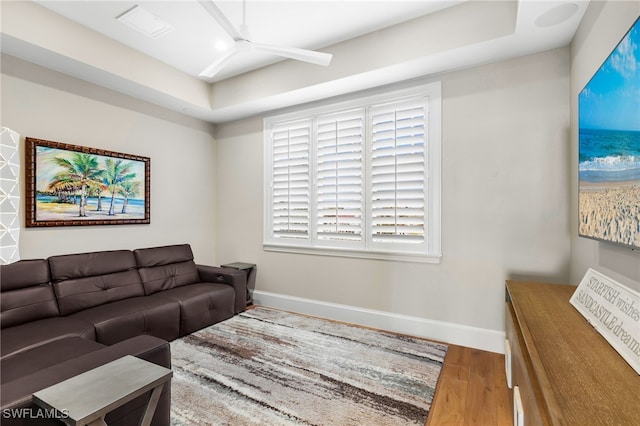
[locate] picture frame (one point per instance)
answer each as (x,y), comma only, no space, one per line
(72,185)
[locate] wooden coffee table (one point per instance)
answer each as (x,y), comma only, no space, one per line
(86,398)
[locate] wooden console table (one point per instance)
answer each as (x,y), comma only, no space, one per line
(86,398)
(563,370)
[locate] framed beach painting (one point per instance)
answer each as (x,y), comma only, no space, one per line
(71,185)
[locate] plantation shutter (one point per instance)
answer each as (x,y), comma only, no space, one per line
(291,180)
(358,178)
(398,171)
(339,176)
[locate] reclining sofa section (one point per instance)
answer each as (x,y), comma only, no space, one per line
(71,313)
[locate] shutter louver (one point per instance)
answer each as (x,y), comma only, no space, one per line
(290,181)
(398,172)
(339,176)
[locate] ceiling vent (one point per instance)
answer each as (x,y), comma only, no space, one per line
(145,22)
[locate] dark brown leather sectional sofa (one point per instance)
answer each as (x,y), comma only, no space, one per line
(67,314)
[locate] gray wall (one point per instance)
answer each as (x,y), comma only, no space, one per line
(505,151)
(47,105)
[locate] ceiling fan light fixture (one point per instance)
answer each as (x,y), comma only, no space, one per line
(221,45)
(242,44)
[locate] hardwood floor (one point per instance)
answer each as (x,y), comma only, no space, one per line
(472,390)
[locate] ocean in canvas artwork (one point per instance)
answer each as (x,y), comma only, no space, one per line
(609,116)
(609,155)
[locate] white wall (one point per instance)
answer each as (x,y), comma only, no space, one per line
(47,105)
(602,27)
(505,203)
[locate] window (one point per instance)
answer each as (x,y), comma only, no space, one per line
(356,179)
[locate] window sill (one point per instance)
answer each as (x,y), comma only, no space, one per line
(359,254)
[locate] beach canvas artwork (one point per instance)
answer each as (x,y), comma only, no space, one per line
(76,185)
(609,147)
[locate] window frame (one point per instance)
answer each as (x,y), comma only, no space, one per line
(430,251)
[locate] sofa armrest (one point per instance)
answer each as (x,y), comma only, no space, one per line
(233,277)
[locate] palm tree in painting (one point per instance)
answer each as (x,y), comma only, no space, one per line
(128,189)
(64,187)
(81,169)
(117,172)
(95,190)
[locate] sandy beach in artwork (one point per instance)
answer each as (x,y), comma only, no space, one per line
(611,211)
(69,211)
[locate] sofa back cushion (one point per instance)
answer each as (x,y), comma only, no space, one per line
(85,280)
(162,268)
(26,293)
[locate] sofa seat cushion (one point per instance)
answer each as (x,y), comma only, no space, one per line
(201,304)
(236,278)
(36,333)
(46,355)
(127,318)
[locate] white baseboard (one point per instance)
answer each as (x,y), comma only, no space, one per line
(457,334)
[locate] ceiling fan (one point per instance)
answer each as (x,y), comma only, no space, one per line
(242,44)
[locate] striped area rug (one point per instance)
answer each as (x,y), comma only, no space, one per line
(269,367)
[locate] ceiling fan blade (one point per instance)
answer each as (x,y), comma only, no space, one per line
(217,14)
(219,63)
(311,56)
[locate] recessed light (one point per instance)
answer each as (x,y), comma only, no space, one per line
(145,22)
(556,15)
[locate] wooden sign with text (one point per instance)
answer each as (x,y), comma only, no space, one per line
(614,311)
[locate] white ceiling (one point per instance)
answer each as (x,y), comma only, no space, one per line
(191,47)
(309,24)
(374,42)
